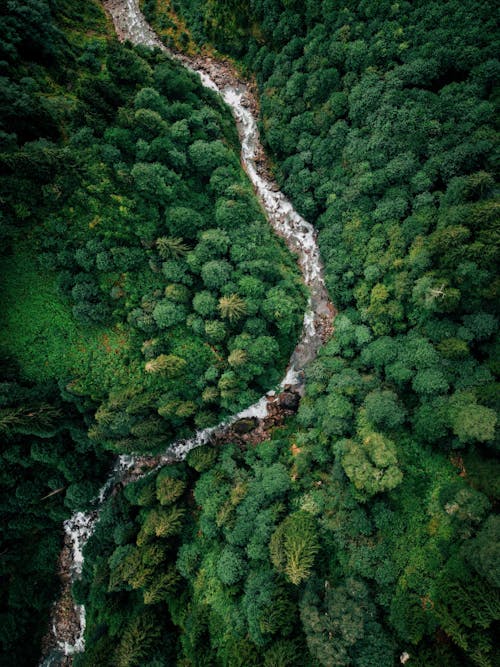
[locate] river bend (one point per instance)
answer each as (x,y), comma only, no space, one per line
(300,237)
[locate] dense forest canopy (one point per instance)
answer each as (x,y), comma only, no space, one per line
(144,293)
(366,527)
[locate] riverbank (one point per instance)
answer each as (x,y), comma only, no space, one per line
(252,425)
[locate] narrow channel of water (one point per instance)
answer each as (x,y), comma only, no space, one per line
(299,236)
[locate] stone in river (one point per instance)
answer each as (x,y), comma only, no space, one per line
(289,400)
(245,425)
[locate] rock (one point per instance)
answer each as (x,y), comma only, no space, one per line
(245,425)
(289,400)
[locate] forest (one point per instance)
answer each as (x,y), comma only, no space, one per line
(144,296)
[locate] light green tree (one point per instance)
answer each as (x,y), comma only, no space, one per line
(294,545)
(232,307)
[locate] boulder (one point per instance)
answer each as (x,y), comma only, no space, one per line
(289,400)
(245,425)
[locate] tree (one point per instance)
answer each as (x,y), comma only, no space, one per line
(371,464)
(206,156)
(38,419)
(267,605)
(166,364)
(294,545)
(161,523)
(228,384)
(205,303)
(428,381)
(149,98)
(177,271)
(382,409)
(148,124)
(470,421)
(214,244)
(237,358)
(168,314)
(280,309)
(154,180)
(216,273)
(168,489)
(178,293)
(162,587)
(232,307)
(230,566)
(335,625)
(215,330)
(482,553)
(171,247)
(283,653)
(140,635)
(183,222)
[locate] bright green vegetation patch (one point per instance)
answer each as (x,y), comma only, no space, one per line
(153,298)
(40,332)
(37,325)
(184,305)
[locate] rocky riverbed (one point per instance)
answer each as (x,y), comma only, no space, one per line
(252,425)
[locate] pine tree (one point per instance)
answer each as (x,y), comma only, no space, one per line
(294,545)
(166,364)
(171,247)
(168,489)
(210,395)
(161,586)
(35,420)
(232,307)
(139,638)
(237,358)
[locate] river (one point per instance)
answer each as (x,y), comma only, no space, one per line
(66,636)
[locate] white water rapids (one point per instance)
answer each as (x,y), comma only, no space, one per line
(299,236)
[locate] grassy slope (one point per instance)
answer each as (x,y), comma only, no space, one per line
(37,327)
(39,330)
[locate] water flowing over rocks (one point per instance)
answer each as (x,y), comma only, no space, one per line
(252,425)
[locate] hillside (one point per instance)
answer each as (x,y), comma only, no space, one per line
(144,296)
(143,293)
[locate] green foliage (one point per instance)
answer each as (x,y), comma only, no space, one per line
(133,251)
(282,654)
(339,626)
(371,464)
(168,489)
(381,132)
(161,523)
(294,545)
(482,552)
(139,636)
(171,248)
(471,422)
(201,458)
(162,302)
(232,307)
(230,567)
(382,409)
(167,364)
(49,469)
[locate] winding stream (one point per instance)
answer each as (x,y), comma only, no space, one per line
(299,236)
